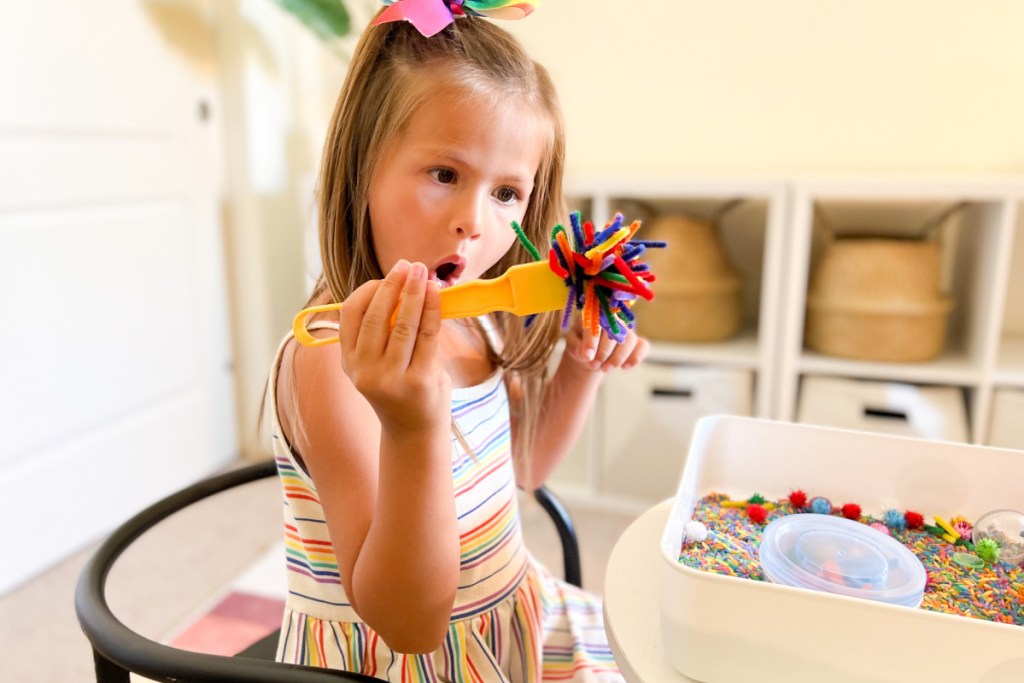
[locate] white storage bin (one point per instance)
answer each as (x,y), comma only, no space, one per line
(1007,419)
(887,407)
(719,629)
(647,419)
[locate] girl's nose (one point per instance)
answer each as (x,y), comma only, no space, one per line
(468,218)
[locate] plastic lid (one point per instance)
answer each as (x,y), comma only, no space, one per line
(837,555)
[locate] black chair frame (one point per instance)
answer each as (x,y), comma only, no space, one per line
(117,650)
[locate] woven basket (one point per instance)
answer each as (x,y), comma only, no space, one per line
(878,299)
(698,292)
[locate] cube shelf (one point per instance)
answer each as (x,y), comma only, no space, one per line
(773,235)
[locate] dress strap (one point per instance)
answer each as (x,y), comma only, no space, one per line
(270,423)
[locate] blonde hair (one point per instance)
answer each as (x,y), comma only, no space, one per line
(384,87)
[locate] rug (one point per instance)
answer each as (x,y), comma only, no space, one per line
(244,613)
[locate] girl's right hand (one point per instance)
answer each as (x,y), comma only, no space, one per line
(397,368)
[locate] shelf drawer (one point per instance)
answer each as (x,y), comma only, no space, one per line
(1007,409)
(648,416)
(930,412)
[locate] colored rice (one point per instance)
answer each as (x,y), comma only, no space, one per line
(995,592)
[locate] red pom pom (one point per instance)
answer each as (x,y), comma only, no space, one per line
(798,499)
(915,520)
(851,511)
(757,513)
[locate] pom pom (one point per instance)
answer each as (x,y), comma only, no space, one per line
(894,519)
(757,513)
(821,506)
(851,511)
(963,527)
(915,520)
(695,532)
(987,550)
(798,499)
(757,499)
(878,526)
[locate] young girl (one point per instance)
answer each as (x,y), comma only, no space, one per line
(396,446)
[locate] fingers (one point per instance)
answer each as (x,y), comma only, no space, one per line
(638,355)
(427,348)
(590,344)
(375,326)
(619,354)
(604,353)
(402,341)
(352,314)
(627,354)
(605,347)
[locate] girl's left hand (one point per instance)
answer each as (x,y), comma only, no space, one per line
(602,353)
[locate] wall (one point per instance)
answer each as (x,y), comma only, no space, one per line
(682,87)
(279,85)
(788,85)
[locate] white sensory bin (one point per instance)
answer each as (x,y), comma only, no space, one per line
(719,629)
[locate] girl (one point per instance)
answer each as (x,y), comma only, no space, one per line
(405,556)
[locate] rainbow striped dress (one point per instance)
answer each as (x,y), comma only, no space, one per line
(512,620)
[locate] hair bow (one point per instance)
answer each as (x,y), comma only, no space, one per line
(430,16)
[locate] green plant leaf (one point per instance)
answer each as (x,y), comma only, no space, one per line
(327,18)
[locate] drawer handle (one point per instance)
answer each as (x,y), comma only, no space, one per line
(671,393)
(885,413)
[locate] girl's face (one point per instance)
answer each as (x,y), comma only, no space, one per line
(446,190)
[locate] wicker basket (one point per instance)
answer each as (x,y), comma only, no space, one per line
(878,299)
(698,292)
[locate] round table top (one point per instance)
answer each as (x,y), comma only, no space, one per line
(632,601)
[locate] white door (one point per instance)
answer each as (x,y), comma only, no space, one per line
(115,377)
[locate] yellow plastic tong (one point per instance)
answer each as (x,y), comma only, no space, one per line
(524,289)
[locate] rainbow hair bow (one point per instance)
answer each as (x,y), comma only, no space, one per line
(430,16)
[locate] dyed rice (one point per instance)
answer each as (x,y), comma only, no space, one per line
(994,593)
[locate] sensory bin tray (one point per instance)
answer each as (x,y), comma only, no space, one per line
(719,629)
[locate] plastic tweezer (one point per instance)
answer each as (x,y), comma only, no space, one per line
(522,290)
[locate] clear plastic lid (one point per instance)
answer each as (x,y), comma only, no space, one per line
(837,555)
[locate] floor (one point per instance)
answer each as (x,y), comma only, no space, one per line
(181,567)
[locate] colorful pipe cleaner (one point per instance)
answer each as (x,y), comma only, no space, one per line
(431,16)
(602,271)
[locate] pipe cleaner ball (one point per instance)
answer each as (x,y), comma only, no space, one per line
(894,519)
(851,511)
(915,520)
(602,271)
(821,506)
(878,526)
(695,532)
(963,527)
(798,499)
(757,513)
(987,549)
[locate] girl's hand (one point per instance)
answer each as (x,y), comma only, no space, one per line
(602,353)
(397,367)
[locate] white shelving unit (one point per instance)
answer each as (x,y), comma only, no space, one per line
(977,243)
(753,234)
(772,238)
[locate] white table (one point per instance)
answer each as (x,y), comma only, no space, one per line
(632,607)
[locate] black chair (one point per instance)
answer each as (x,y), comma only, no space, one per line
(118,650)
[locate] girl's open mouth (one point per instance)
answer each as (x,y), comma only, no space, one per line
(447,271)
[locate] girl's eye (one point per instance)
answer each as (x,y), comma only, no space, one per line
(445,176)
(506,195)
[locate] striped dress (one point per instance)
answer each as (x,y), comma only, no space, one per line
(511,621)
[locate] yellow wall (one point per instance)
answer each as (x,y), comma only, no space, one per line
(786,85)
